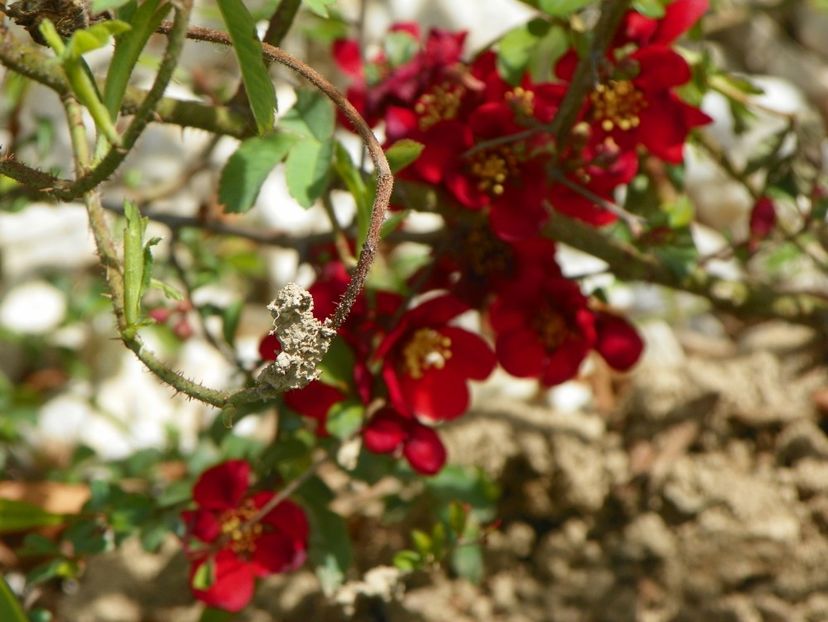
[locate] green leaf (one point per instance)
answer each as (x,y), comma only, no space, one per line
(94,37)
(392,222)
(133,262)
(400,47)
(248,49)
(215,615)
(338,365)
(49,570)
(407,560)
(20,516)
(516,48)
(230,318)
(35,545)
(87,538)
(562,8)
(99,6)
(402,153)
(312,116)
(308,169)
(144,21)
(548,50)
(467,561)
(345,418)
(330,548)
(320,7)
(680,212)
(10,609)
(246,170)
(654,9)
(170,292)
(205,575)
(422,542)
(363,196)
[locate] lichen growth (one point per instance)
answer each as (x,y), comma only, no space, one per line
(304,339)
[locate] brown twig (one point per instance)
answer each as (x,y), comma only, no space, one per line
(385,179)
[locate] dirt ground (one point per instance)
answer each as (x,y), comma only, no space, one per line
(696,489)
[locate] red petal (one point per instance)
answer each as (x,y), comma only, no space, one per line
(563,363)
(471,356)
(269,347)
(678,18)
(439,394)
(385,432)
(424,450)
(347,55)
(436,311)
(314,401)
(660,69)
(762,219)
(521,353)
(275,552)
(663,130)
(290,519)
(412,28)
(233,585)
(223,486)
(399,122)
(202,524)
(618,341)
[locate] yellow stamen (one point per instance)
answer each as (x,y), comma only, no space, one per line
(427,348)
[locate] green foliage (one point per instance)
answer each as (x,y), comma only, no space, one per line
(137,262)
(78,74)
(345,418)
(309,161)
(351,176)
(536,45)
(20,516)
(653,9)
(248,49)
(402,153)
(246,170)
(320,7)
(562,8)
(330,546)
(144,19)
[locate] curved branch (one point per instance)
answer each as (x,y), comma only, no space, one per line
(385,179)
(747,300)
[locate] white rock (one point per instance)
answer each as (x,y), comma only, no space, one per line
(33,308)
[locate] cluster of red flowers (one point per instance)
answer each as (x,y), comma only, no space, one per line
(487,146)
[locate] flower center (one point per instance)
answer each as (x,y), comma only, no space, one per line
(617,104)
(427,348)
(483,254)
(522,101)
(240,536)
(441,103)
(551,327)
(492,167)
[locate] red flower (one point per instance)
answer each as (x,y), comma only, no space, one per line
(426,363)
(618,342)
(404,84)
(678,17)
(762,221)
(644,110)
(545,330)
(219,533)
(388,432)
